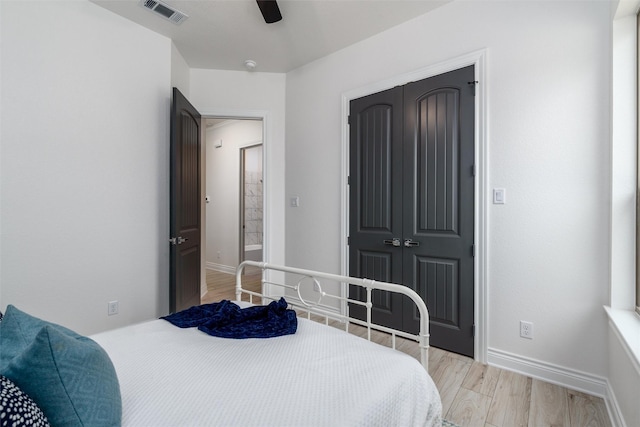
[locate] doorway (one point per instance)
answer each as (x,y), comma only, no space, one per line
(233,196)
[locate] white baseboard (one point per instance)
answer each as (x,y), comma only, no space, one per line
(615,413)
(221,268)
(559,375)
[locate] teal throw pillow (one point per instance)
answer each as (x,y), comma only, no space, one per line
(69,376)
(17,330)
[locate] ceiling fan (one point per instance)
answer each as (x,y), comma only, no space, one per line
(270,10)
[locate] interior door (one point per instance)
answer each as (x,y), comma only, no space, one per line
(184,288)
(412,202)
(375,228)
(439,205)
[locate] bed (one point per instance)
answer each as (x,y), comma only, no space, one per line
(318,376)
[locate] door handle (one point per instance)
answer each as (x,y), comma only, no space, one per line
(177,240)
(408,243)
(393,242)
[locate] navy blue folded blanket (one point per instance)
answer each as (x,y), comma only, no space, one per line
(227,320)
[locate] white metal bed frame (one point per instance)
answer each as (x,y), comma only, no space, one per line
(314,307)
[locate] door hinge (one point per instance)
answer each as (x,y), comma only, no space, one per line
(349,180)
(473,250)
(473,86)
(473,330)
(348,240)
(349,119)
(473,170)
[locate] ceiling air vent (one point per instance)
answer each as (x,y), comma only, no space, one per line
(164,10)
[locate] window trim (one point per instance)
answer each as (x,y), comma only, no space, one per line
(637,293)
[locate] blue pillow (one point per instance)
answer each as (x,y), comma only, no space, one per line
(17,330)
(70,377)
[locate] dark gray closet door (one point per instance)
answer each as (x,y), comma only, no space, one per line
(375,165)
(412,202)
(439,205)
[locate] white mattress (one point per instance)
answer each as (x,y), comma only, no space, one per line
(319,376)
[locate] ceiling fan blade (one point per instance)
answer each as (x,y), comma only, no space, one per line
(270,11)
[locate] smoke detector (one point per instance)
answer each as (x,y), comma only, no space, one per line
(250,64)
(164,10)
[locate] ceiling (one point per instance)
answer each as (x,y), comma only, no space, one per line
(222,34)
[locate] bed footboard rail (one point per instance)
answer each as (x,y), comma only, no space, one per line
(303,290)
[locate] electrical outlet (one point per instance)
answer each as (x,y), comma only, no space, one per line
(526,329)
(113,307)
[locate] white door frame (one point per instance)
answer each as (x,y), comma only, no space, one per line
(478,60)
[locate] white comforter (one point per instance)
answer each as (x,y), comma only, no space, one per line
(320,376)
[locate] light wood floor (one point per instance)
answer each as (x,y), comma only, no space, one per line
(223,286)
(474,394)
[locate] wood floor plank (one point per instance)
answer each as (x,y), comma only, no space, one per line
(408,346)
(587,411)
(435,357)
(549,405)
(222,286)
(448,377)
(469,408)
(482,379)
(511,401)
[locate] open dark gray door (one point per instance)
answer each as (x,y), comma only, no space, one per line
(184,287)
(412,203)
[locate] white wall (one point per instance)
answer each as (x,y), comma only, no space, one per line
(253,95)
(223,187)
(85,101)
(180,72)
(548,131)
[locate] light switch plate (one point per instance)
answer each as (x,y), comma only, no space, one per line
(499,196)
